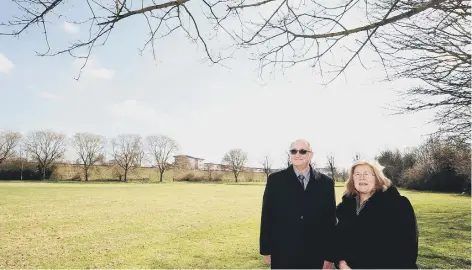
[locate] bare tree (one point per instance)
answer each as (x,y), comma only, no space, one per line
(392,161)
(236,159)
(141,157)
(162,19)
(89,148)
(23,157)
(209,168)
(288,34)
(9,140)
(345,174)
(162,148)
(287,159)
(424,39)
(331,166)
(267,166)
(125,150)
(439,56)
(45,147)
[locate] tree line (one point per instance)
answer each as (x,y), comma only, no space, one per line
(128,151)
(437,164)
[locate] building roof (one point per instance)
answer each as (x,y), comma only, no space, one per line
(188,157)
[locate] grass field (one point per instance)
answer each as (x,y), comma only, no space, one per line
(177,225)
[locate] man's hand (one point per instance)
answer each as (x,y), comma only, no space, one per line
(328,265)
(266,259)
(343,265)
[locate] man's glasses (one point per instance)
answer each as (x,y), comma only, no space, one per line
(301,151)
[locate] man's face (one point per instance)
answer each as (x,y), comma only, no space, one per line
(300,154)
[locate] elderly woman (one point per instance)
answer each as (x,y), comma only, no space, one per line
(376,225)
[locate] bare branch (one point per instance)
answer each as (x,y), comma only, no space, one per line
(331,166)
(45,147)
(376,25)
(267,166)
(9,140)
(250,5)
(89,148)
(235,159)
(161,148)
(125,150)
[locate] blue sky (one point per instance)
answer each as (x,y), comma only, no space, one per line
(207,109)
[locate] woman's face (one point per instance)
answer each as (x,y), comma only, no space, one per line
(364,179)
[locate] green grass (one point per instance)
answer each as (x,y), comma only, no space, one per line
(177,225)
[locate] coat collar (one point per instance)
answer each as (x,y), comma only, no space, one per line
(314,174)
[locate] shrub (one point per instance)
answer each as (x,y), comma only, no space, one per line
(435,165)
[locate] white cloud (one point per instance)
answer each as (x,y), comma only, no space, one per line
(48,95)
(71,28)
(131,109)
(133,116)
(93,69)
(101,73)
(5,64)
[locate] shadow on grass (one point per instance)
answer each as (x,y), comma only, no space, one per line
(442,261)
(449,260)
(244,260)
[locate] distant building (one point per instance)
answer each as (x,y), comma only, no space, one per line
(110,162)
(167,165)
(254,169)
(188,162)
(212,166)
(324,171)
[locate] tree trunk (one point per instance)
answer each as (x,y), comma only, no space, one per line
(236,176)
(86,174)
(126,175)
(160,176)
(43,173)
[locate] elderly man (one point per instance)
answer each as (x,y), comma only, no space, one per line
(298,215)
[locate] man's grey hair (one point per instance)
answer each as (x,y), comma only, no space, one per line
(303,141)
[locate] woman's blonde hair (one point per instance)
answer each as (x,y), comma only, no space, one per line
(381,181)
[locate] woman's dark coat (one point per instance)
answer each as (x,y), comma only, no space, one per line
(383,235)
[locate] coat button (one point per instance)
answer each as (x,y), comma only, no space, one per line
(301,217)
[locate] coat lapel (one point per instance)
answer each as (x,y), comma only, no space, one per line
(293,178)
(314,176)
